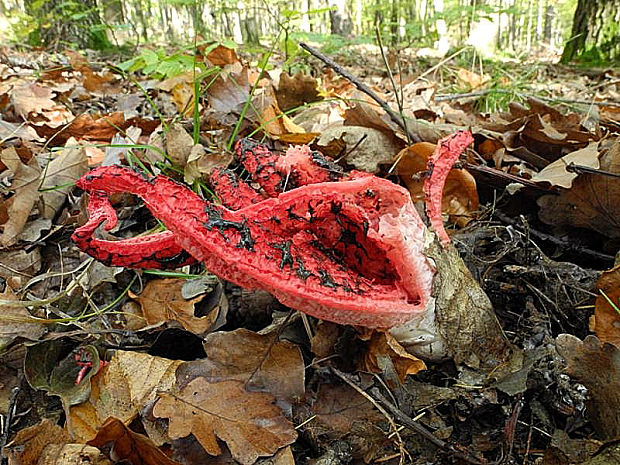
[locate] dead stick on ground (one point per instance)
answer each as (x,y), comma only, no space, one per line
(364,88)
(413,425)
(480,93)
(410,423)
(368,397)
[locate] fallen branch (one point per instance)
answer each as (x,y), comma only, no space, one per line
(409,422)
(364,88)
(481,93)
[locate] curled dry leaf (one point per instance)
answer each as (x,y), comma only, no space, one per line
(28,444)
(222,56)
(606,319)
(249,422)
(178,144)
(591,202)
(263,364)
(556,173)
(363,148)
(66,167)
(460,197)
(597,366)
(384,345)
(70,454)
(16,321)
(161,301)
(129,446)
(25,186)
(294,91)
(121,390)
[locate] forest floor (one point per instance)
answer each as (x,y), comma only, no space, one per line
(99,363)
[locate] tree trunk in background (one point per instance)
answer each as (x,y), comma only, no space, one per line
(142,20)
(58,29)
(394,22)
(443,43)
(549,18)
(340,20)
(359,8)
(596,29)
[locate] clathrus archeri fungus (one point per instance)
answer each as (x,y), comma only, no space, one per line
(344,247)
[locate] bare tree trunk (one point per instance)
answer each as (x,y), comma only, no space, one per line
(595,29)
(443,43)
(549,17)
(340,21)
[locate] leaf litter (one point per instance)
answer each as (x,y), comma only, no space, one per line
(217,388)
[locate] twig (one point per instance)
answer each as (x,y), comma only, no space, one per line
(506,177)
(406,420)
(362,87)
(462,454)
(480,93)
(368,397)
(559,242)
(399,95)
(8,420)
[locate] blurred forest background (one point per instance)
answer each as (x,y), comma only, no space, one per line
(587,30)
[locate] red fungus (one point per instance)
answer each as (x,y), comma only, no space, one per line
(439,165)
(232,191)
(348,249)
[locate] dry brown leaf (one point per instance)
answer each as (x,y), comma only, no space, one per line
(181,88)
(23,131)
(121,390)
(16,321)
(266,113)
(325,337)
(179,144)
(161,302)
(597,366)
(384,345)
(60,175)
(72,454)
(592,201)
(16,266)
(363,148)
(88,127)
(556,173)
(229,92)
(30,100)
(471,79)
(250,424)
(542,129)
(101,83)
(251,358)
(222,56)
(341,412)
(606,319)
(28,444)
(129,446)
(294,91)
(460,197)
(25,185)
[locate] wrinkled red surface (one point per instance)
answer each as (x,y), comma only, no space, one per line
(439,165)
(348,249)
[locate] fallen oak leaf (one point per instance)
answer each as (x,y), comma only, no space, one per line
(120,390)
(161,301)
(25,185)
(263,364)
(250,424)
(126,445)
